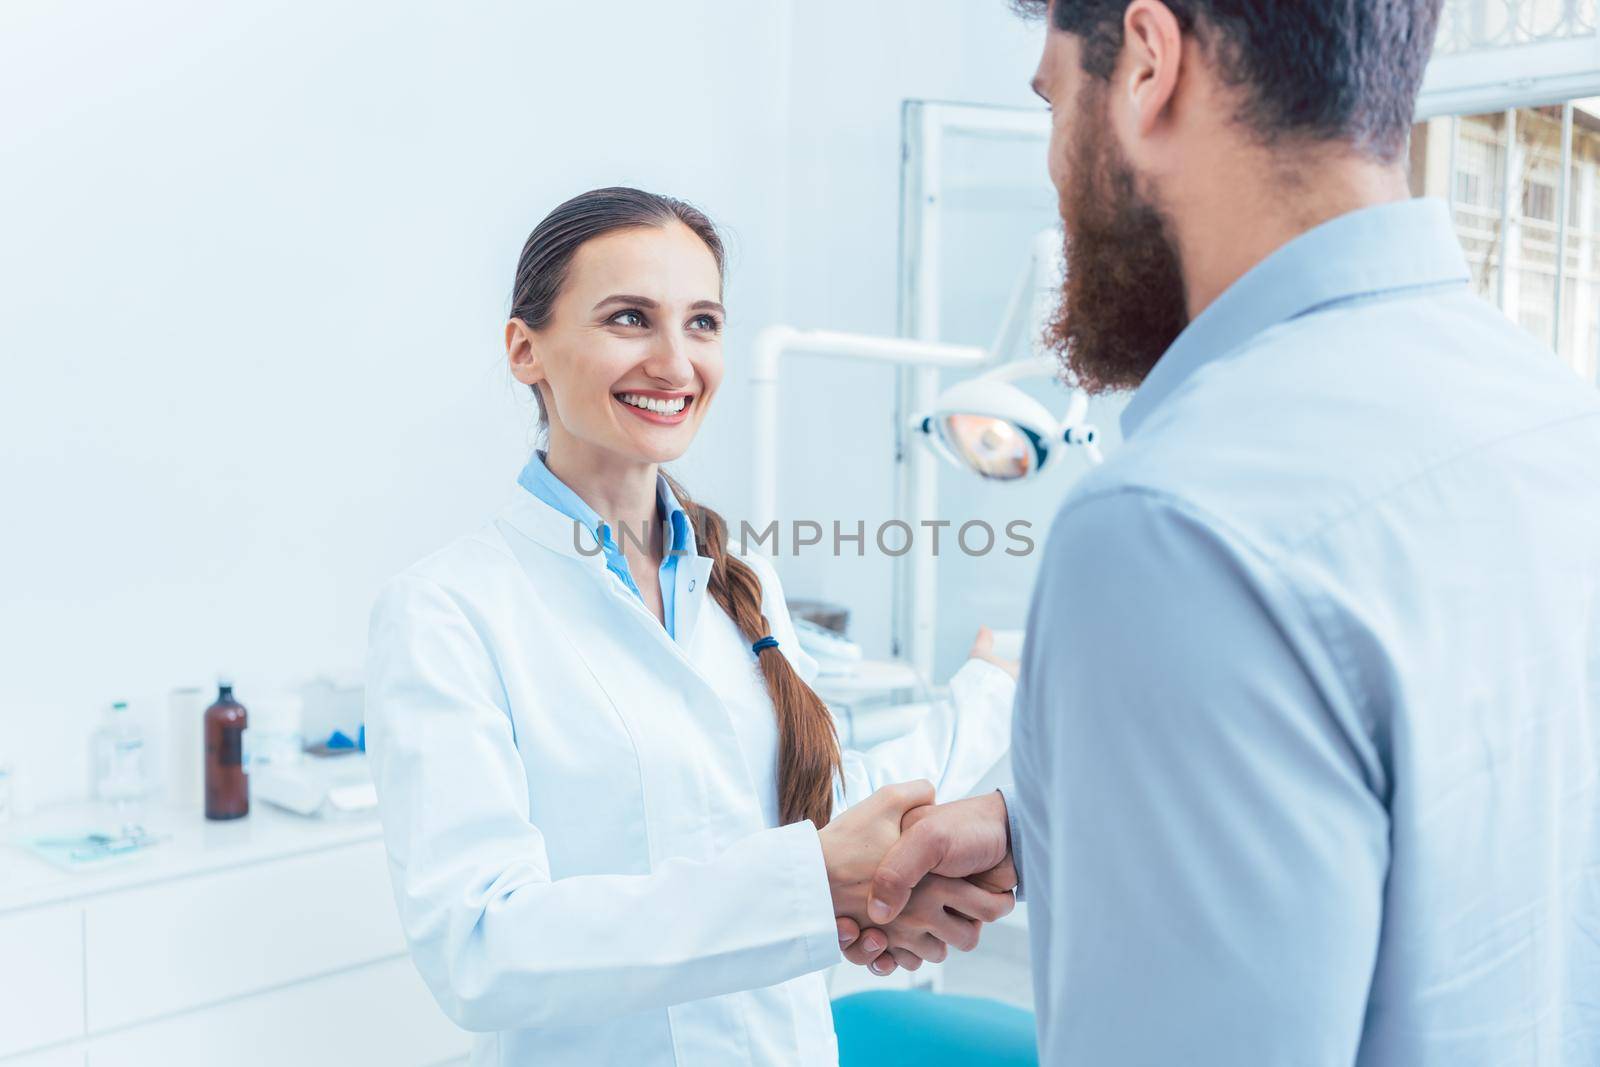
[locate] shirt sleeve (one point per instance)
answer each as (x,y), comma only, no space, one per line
(1008,796)
(1205,858)
(502,944)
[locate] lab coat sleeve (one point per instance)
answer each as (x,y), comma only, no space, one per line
(958,742)
(500,943)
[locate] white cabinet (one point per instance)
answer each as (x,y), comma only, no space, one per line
(380,1014)
(41,1003)
(169,947)
(269,941)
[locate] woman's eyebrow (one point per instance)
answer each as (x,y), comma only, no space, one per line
(651,305)
(627,298)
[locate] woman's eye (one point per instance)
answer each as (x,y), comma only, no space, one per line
(706,322)
(628,318)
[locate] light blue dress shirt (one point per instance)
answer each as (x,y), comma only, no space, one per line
(1307,738)
(679,540)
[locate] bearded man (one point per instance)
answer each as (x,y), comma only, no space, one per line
(1307,740)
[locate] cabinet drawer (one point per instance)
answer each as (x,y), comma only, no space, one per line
(171,947)
(380,1013)
(41,977)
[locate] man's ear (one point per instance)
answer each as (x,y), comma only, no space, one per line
(1148,74)
(522,352)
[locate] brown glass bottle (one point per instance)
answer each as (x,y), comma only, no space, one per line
(227,785)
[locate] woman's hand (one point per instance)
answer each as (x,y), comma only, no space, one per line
(855,842)
(983,648)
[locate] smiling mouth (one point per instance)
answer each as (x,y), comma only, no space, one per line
(658,409)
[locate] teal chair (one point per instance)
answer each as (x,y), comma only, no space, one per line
(892,1027)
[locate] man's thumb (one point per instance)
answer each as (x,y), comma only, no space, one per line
(906,863)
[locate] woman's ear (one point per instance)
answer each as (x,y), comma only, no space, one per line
(522,352)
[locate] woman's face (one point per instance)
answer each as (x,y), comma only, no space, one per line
(631,355)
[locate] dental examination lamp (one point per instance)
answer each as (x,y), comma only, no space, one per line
(990,427)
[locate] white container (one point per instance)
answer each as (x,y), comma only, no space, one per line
(186,744)
(274,734)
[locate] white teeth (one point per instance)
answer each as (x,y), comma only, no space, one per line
(648,403)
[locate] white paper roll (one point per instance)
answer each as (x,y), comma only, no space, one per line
(186,746)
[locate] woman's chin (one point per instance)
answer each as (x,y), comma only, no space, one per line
(664,445)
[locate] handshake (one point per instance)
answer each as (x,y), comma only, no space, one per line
(912,879)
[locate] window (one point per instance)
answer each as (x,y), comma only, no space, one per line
(1494,54)
(1476,25)
(1539,201)
(1508,175)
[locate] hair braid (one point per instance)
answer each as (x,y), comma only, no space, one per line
(808,744)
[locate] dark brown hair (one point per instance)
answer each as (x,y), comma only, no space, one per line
(808,745)
(1345,70)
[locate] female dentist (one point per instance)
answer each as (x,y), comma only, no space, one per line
(618,820)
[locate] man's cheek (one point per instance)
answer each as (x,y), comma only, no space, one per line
(1060,160)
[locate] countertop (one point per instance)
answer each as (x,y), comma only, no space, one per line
(195,846)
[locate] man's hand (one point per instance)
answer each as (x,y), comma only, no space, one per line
(943,913)
(967,837)
(855,843)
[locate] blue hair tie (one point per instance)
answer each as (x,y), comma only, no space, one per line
(765,643)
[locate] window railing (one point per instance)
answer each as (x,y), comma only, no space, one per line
(1473,25)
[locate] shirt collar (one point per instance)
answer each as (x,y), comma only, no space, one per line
(680,531)
(1403,245)
(537,479)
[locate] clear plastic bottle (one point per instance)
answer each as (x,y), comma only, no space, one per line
(118,757)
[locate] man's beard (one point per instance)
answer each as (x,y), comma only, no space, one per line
(1122,302)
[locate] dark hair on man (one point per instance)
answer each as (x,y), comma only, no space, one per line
(1345,70)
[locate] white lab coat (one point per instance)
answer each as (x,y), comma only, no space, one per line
(577,842)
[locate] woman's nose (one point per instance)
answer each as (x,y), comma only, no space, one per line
(669,362)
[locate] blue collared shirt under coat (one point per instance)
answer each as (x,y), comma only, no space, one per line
(678,540)
(1307,741)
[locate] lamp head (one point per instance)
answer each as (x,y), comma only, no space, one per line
(990,427)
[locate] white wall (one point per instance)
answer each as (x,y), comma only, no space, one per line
(853,65)
(255,266)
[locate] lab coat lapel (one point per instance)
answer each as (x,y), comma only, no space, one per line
(670,707)
(689,593)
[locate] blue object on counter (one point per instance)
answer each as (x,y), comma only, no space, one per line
(913,1028)
(340,741)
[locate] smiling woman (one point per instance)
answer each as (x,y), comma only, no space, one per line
(620,825)
(617,328)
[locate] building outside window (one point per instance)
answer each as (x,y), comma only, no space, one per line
(1520,163)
